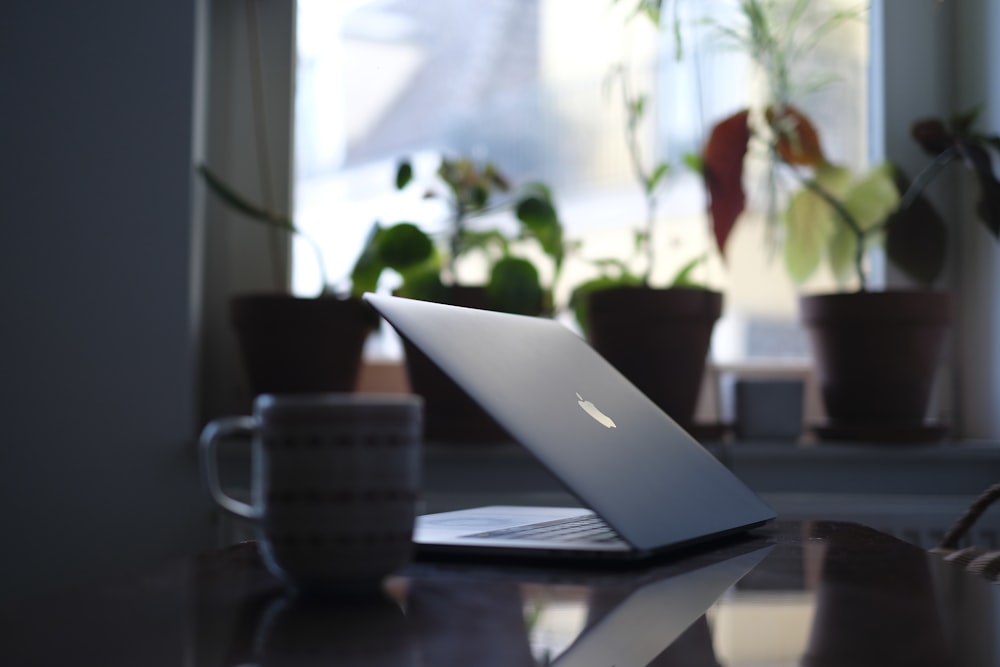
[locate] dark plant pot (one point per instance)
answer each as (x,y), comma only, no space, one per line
(301,345)
(877,354)
(449,414)
(658,339)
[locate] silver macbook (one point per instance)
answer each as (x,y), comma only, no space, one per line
(646,485)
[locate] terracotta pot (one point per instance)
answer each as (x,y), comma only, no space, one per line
(301,345)
(449,414)
(658,339)
(877,353)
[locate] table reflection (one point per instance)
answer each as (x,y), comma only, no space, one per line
(851,626)
(823,594)
(657,620)
(811,598)
(370,632)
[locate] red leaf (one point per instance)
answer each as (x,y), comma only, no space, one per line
(723,173)
(933,136)
(797,138)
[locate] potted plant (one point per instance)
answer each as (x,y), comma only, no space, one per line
(471,191)
(834,214)
(293,344)
(876,353)
(657,336)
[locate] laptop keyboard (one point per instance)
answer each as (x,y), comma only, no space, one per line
(582,529)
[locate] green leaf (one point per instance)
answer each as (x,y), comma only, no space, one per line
(814,230)
(990,140)
(683,277)
(424,284)
(808,229)
(659,172)
(228,194)
(841,254)
(403,245)
(988,206)
(694,162)
(537,189)
(515,287)
(637,108)
(612,267)
(639,239)
(871,199)
(404,174)
(834,179)
(369,265)
(541,221)
(400,247)
(536,213)
(487,240)
(916,238)
(580,298)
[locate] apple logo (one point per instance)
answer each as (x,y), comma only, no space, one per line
(594,412)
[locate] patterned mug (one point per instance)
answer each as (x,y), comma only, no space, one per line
(335,479)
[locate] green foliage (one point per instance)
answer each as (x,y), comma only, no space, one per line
(404,248)
(685,276)
(616,273)
(837,216)
(471,190)
(515,287)
(777,35)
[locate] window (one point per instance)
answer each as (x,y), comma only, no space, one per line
(522,83)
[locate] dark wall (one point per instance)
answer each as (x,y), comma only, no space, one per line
(97,341)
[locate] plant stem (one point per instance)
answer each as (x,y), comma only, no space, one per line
(632,118)
(926,175)
(262,215)
(852,224)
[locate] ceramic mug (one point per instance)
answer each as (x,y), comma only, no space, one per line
(335,479)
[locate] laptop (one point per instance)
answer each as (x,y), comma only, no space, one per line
(644,484)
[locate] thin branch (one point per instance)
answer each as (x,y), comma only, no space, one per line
(635,156)
(261,215)
(926,175)
(852,224)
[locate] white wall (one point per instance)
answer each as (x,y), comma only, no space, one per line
(97,468)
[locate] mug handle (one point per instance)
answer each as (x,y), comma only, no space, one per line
(214,431)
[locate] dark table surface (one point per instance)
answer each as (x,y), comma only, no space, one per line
(792,593)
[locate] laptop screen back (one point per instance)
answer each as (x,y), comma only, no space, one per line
(612,447)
